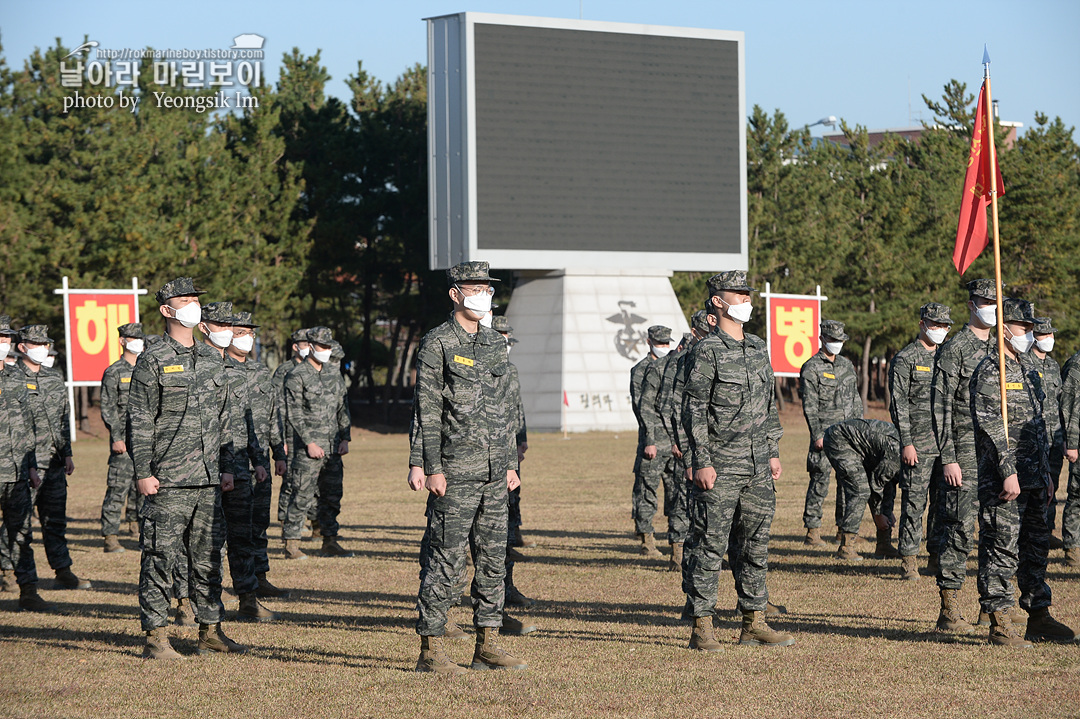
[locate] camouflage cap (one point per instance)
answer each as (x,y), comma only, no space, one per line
(243,319)
(320,335)
(1014,310)
(660,335)
(1043,326)
(687,338)
(935,312)
(336,352)
(730,280)
(834,330)
(219,313)
(180,287)
(5,326)
(470,272)
(299,335)
(501,324)
(983,288)
(700,322)
(132,330)
(37,334)
(512,340)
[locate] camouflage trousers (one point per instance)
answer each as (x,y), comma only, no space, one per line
(16,506)
(650,474)
(1013,541)
(1070,515)
(303,477)
(51,502)
(329,490)
(471,514)
(1057,459)
(238,509)
(853,481)
(119,487)
(262,496)
(917,484)
(958,508)
(182,532)
(513,515)
(750,503)
(819,469)
(677,503)
(284,491)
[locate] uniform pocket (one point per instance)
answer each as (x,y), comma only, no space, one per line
(174,393)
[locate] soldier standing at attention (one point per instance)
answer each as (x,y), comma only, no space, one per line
(911,376)
(1070,427)
(830,394)
(330,485)
(301,348)
(120,484)
(467,426)
(653,451)
(1050,373)
(675,491)
(734,434)
(180,417)
(1013,485)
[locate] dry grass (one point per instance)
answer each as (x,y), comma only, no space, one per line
(610,644)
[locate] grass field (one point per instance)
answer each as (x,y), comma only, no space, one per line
(610,640)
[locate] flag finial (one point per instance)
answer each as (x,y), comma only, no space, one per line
(986,56)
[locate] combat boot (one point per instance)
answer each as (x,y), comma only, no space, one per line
(884,548)
(516,540)
(112,544)
(453,631)
(675,563)
(212,640)
(133,528)
(1015,616)
(755,632)
(1004,634)
(331,548)
(292,549)
(487,655)
(513,555)
(433,659)
(932,565)
(813,537)
(846,551)
(185,615)
(158,646)
(305,533)
(1056,543)
(1041,626)
(31,601)
(950,620)
(251,609)
(268,590)
(515,598)
(648,546)
(316,529)
(771,610)
(1072,557)
(66,579)
(702,638)
(909,565)
(512,627)
(7,581)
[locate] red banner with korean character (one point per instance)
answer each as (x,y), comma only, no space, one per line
(793,331)
(94,343)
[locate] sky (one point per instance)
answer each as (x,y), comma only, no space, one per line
(866,62)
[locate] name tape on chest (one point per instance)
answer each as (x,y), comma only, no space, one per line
(920,368)
(828,375)
(1014,385)
(125,380)
(464,360)
(31,386)
(169,369)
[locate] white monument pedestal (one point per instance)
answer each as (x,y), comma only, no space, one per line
(580,332)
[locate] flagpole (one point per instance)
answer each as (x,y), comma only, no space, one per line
(997,244)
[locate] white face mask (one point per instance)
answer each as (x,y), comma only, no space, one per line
(49,361)
(303,352)
(486,319)
(1022,343)
(740,312)
(480,303)
(220,339)
(1046,344)
(321,356)
(135,347)
(245,343)
(937,336)
(834,348)
(5,347)
(660,351)
(37,355)
(189,315)
(987,315)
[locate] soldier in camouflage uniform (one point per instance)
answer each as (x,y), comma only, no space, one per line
(1051,380)
(316,421)
(18,476)
(330,485)
(1070,427)
(180,417)
(120,483)
(866,456)
(911,375)
(653,463)
(660,414)
(50,411)
(950,401)
(301,348)
(467,426)
(830,394)
(1014,481)
(733,432)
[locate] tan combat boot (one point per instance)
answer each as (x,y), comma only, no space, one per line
(7,581)
(1014,614)
(112,544)
(252,610)
(292,549)
(433,659)
(487,655)
(31,601)
(331,548)
(1003,633)
(185,615)
(316,530)
(1072,556)
(884,548)
(133,528)
(950,620)
(702,638)
(648,546)
(512,627)
(268,590)
(846,551)
(158,646)
(453,631)
(910,567)
(66,579)
(813,537)
(675,563)
(1041,626)
(755,632)
(771,610)
(213,641)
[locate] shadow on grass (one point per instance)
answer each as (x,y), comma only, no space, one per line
(110,642)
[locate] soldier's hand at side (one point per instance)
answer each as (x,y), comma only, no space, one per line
(689,475)
(705,478)
(315,451)
(261,474)
(953,476)
(147,486)
(416,478)
(1072,455)
(882,522)
(69,466)
(35,478)
(522,449)
(118,447)
(228,482)
(513,481)
(676,451)
(774,466)
(279,467)
(343,447)
(1010,489)
(819,443)
(436,484)
(909,456)
(649,452)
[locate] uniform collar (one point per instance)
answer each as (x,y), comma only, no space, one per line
(481,337)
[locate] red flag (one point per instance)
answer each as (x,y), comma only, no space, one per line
(565,399)
(971,235)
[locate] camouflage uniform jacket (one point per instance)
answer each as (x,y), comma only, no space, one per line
(911,376)
(1050,374)
(50,411)
(829,393)
(1025,452)
(115,386)
(877,443)
(651,400)
(280,373)
(678,398)
(180,415)
(521,435)
(315,409)
(466,417)
(731,417)
(17,433)
(345,422)
(637,377)
(1070,402)
(950,399)
(257,433)
(666,398)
